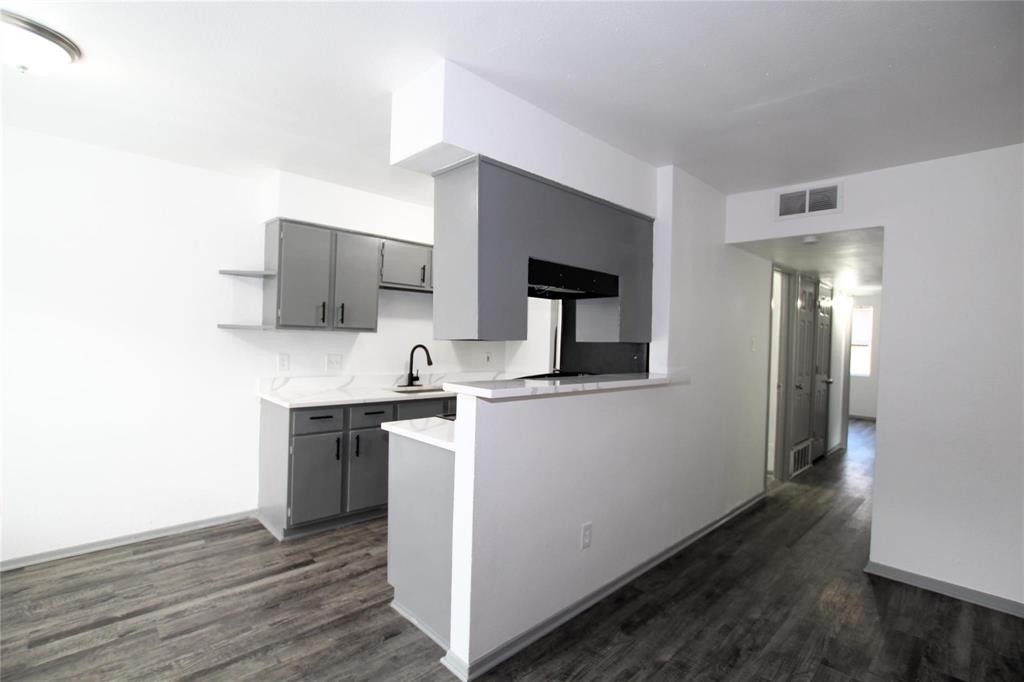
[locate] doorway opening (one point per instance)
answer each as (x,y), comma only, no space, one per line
(814,278)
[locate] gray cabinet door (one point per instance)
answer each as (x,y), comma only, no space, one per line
(316,467)
(405,265)
(366,469)
(356,267)
(304,276)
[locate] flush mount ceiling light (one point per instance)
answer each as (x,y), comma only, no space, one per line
(31,46)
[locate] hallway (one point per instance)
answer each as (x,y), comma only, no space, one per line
(776,594)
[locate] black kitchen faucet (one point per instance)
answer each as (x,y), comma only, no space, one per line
(414,377)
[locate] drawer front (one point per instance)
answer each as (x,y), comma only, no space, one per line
(317,420)
(366,416)
(414,409)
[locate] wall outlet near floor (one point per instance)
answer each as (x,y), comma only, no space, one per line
(284,362)
(332,362)
(586,534)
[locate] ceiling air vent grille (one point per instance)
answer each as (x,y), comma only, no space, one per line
(823,198)
(804,201)
(793,203)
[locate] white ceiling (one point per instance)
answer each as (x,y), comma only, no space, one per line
(745,96)
(851,259)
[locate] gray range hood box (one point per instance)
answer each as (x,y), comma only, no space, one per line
(490,219)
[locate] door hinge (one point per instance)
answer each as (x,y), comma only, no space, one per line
(278,314)
(289,513)
(291,449)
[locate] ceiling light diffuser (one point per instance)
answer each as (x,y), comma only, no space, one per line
(31,46)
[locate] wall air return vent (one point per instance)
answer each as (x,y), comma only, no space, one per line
(800,458)
(805,201)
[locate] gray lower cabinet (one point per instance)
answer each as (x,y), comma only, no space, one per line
(405,265)
(416,409)
(366,469)
(322,466)
(316,477)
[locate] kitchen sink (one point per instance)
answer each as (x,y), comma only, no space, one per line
(417,389)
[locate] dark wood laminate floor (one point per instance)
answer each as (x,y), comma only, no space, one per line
(776,594)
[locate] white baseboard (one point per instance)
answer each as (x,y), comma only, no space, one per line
(966,594)
(427,630)
(76,550)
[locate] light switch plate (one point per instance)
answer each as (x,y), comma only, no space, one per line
(332,362)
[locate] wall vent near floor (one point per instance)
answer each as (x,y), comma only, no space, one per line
(804,201)
(800,458)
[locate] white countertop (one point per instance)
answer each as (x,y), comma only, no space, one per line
(431,430)
(322,391)
(519,388)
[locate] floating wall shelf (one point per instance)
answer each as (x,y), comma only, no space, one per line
(254,327)
(263,274)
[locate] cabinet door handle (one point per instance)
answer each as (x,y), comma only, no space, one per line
(423,274)
(341,314)
(369,413)
(322,416)
(337,448)
(323,312)
(357,445)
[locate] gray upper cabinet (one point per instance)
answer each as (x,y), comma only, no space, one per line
(328,278)
(491,220)
(315,480)
(304,277)
(366,469)
(405,265)
(356,264)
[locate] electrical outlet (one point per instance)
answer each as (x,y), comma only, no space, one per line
(332,362)
(586,534)
(284,362)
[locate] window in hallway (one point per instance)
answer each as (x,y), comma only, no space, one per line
(860,341)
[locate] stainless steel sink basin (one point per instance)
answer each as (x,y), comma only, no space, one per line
(417,389)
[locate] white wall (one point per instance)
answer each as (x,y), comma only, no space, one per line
(647,467)
(864,390)
(949,472)
(839,395)
(125,409)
